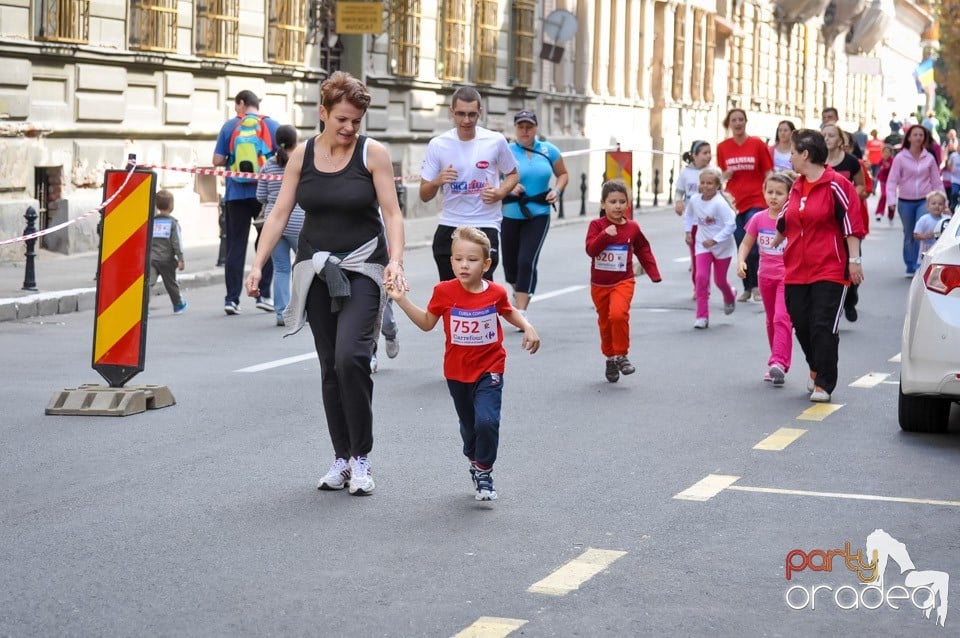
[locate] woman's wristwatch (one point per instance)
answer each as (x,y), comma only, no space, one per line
(856,260)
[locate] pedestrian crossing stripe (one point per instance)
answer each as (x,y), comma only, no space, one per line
(119,332)
(490,627)
(570,576)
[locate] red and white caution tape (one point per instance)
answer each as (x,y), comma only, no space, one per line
(53,229)
(219,172)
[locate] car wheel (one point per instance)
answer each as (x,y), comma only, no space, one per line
(923,414)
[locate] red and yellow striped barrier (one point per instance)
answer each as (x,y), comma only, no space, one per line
(119,334)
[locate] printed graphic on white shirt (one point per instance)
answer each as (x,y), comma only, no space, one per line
(162,228)
(473,327)
(765,237)
(613,258)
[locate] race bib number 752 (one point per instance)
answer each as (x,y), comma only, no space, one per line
(473,327)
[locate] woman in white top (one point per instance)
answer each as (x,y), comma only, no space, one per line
(780,149)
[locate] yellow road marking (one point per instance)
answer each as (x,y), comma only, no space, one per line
(780,439)
(870,380)
(490,627)
(707,488)
(819,412)
(859,497)
(569,577)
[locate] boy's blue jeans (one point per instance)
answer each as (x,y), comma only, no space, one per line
(478,407)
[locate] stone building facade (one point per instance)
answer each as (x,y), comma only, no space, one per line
(85,82)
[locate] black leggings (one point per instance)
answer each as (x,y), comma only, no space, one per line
(522,241)
(442,249)
(815,312)
(344,342)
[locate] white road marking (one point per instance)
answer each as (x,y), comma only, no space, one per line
(895,358)
(490,627)
(856,497)
(707,488)
(680,260)
(260,367)
(569,577)
(780,439)
(555,293)
(870,380)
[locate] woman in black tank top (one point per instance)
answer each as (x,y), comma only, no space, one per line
(344,182)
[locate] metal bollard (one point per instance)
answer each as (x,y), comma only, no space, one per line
(639,182)
(29,270)
(656,186)
(670,192)
(583,194)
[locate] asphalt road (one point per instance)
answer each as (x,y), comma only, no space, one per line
(202,519)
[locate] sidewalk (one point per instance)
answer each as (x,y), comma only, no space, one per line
(66,283)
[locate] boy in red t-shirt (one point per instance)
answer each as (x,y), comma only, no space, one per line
(474,358)
(612,242)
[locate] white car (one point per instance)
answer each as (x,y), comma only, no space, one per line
(930,349)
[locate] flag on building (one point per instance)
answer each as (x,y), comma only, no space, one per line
(923,75)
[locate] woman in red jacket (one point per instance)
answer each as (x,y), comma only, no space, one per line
(745,162)
(823,227)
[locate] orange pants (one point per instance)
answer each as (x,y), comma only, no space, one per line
(613,316)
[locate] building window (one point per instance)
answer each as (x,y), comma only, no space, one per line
(217,28)
(709,57)
(286,31)
(485,43)
(679,50)
(153,25)
(65,21)
(453,41)
(405,38)
(696,70)
(524,35)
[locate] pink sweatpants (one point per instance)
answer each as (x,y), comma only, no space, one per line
(779,328)
(706,261)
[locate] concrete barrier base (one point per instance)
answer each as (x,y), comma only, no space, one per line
(100,400)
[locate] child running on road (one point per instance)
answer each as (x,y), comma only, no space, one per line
(474,358)
(688,185)
(714,246)
(166,250)
(612,242)
(762,229)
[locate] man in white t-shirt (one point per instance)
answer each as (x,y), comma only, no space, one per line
(466,163)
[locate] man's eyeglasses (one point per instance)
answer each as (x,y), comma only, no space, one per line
(466,115)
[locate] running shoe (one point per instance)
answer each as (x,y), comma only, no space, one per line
(374,366)
(819,395)
(624,365)
(180,307)
(265,304)
(612,371)
(777,375)
(756,295)
(473,474)
(337,477)
(701,323)
(485,489)
(361,483)
(728,308)
(231,308)
(744,296)
(393,347)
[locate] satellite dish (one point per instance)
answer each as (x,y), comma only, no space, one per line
(560,26)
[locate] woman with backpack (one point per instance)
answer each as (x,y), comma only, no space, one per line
(339,177)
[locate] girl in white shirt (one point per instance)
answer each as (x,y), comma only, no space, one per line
(688,185)
(714,245)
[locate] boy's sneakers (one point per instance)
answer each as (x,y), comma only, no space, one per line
(393,347)
(612,371)
(231,308)
(485,490)
(361,483)
(265,304)
(473,474)
(701,323)
(179,308)
(337,477)
(624,365)
(777,375)
(728,308)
